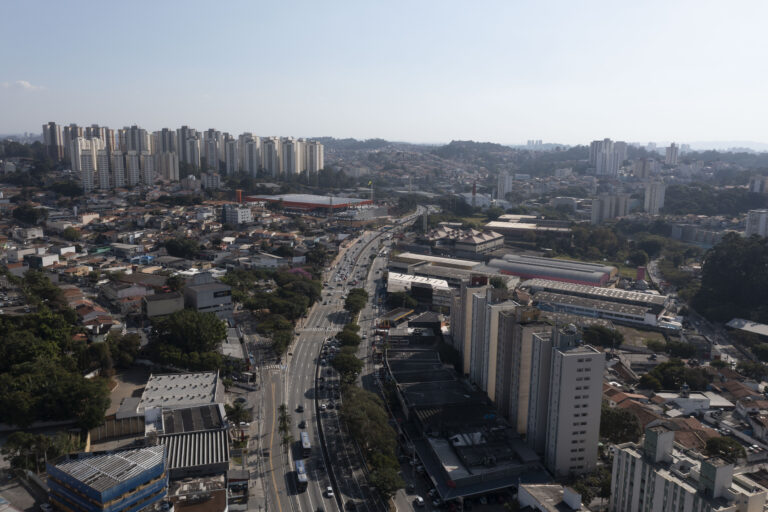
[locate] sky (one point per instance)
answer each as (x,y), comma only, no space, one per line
(418,71)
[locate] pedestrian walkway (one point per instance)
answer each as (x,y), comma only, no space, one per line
(274,367)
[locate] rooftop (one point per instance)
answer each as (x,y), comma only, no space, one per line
(611,294)
(105,470)
(599,305)
(179,390)
(193,419)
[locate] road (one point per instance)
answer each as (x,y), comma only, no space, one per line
(293,382)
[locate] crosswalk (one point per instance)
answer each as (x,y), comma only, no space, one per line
(274,367)
(317,329)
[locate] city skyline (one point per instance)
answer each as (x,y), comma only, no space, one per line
(432,73)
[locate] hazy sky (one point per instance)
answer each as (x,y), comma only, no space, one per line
(506,71)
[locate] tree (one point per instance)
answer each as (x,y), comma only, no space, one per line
(619,426)
(638,258)
(347,364)
(356,300)
(753,370)
(175,283)
(191,330)
(28,214)
(726,448)
(648,381)
(497,282)
(387,481)
(182,247)
(237,413)
(602,336)
(71,234)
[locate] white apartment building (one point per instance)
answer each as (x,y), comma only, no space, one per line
(609,206)
(236,214)
(132,168)
(757,223)
(672,154)
(102,159)
(87,166)
(167,165)
(231,158)
(251,155)
(271,155)
(147,168)
(315,156)
(654,197)
(118,170)
(661,477)
(575,398)
(607,156)
(505,184)
(291,156)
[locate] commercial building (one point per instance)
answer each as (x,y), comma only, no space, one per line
(657,303)
(309,202)
(662,476)
(654,197)
(207,295)
(594,308)
(162,304)
(122,481)
(548,498)
(173,391)
(428,291)
(757,223)
(236,214)
(516,226)
(531,267)
(196,439)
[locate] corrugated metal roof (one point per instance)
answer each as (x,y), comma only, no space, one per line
(196,448)
(104,471)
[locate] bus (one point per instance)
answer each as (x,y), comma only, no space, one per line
(301,476)
(306,447)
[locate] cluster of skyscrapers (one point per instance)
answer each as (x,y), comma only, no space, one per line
(540,376)
(105,158)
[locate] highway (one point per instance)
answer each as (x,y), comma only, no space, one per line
(292,382)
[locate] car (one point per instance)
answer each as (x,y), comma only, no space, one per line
(303,424)
(329,492)
(46,507)
(300,408)
(419,501)
(322,407)
(240,400)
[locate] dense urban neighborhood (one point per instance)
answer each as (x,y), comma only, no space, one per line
(197,321)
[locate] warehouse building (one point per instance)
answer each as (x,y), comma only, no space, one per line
(310,202)
(532,267)
(124,481)
(627,313)
(655,302)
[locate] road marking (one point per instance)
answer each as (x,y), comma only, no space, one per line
(271,438)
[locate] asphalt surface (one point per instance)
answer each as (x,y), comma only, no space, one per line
(292,382)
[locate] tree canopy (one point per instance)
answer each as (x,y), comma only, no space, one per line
(734,280)
(619,426)
(725,447)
